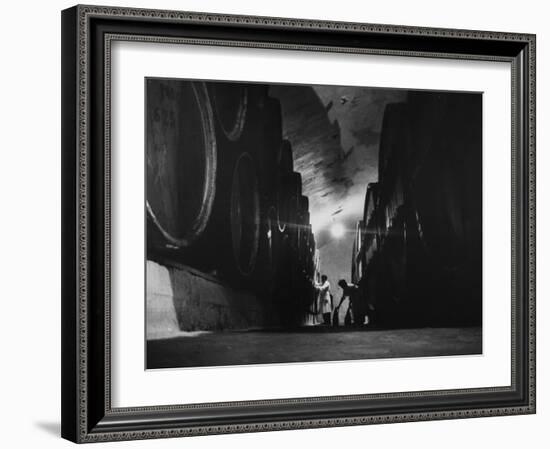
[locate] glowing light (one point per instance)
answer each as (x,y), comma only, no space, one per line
(337,230)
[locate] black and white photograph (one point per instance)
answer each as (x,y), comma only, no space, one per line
(310,223)
(279,220)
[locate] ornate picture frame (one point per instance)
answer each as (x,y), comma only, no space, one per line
(87,35)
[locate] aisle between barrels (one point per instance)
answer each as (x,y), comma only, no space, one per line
(309,344)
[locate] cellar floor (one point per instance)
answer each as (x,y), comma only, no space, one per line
(312,343)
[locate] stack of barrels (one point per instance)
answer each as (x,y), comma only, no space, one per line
(357,257)
(418,254)
(222,193)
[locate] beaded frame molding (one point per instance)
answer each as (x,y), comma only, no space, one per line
(87,34)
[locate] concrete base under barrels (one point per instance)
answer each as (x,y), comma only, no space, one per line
(181,299)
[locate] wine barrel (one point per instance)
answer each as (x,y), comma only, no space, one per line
(317,265)
(284,168)
(273,240)
(393,176)
(428,257)
(394,142)
(357,253)
(446,189)
(285,158)
(393,199)
(303,217)
(267,145)
(304,206)
(269,247)
(181,159)
(292,186)
(309,266)
(430,110)
(304,230)
(371,199)
(396,273)
(311,244)
(354,259)
(230,102)
(245,215)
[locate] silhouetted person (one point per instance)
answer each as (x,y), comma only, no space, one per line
(349,291)
(325,306)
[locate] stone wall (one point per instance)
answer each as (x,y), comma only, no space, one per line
(181,299)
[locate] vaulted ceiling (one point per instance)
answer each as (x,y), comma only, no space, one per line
(334,132)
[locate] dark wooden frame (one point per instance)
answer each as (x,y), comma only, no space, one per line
(87,32)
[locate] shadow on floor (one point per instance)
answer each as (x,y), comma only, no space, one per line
(53,428)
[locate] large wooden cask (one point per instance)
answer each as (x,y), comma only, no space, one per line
(181,160)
